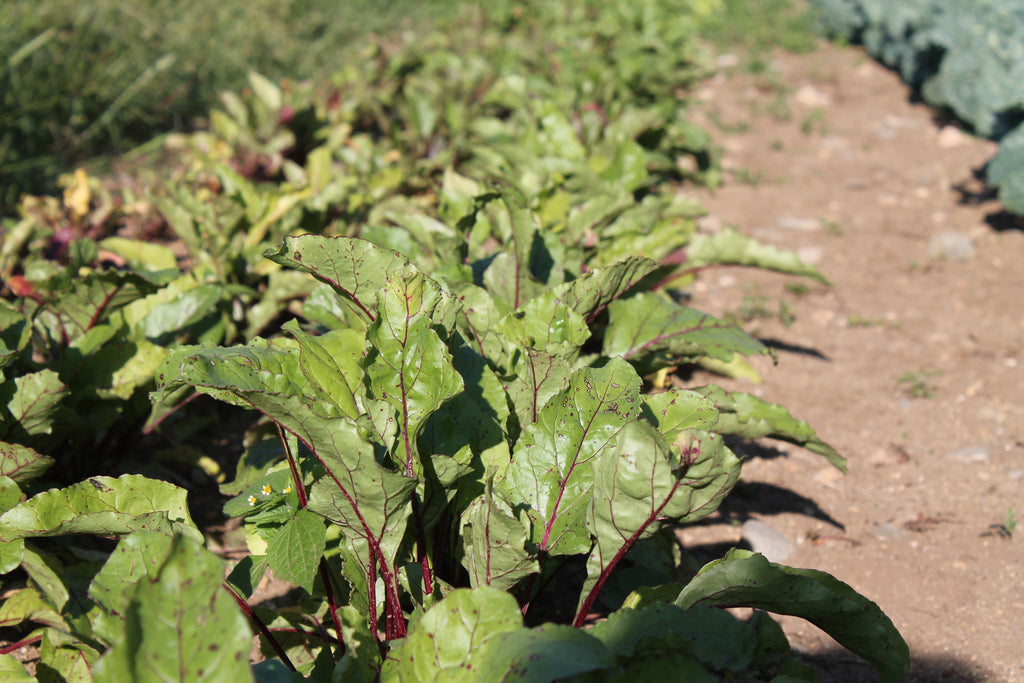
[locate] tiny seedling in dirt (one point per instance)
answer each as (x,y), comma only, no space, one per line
(745,176)
(832,227)
(1005,528)
(814,122)
(856,320)
(916,384)
(798,288)
(786,314)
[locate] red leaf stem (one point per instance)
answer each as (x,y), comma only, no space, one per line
(260,626)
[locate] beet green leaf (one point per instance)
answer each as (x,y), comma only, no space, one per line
(549,470)
(746,579)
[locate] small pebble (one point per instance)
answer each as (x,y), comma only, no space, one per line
(969,455)
(953,246)
(765,540)
(885,532)
(800,224)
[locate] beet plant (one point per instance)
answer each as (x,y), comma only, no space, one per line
(436,474)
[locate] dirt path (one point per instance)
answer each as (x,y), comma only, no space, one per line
(843,167)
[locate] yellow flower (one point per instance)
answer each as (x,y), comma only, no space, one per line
(287,489)
(267,490)
(252,500)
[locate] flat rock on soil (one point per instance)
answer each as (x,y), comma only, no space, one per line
(911,364)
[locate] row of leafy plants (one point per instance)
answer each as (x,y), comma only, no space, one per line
(442,253)
(966,57)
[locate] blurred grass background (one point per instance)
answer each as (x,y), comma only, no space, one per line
(80,80)
(83,79)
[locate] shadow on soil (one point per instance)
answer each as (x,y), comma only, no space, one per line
(975,192)
(841,666)
(779,345)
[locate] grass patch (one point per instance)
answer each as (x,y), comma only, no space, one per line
(79,80)
(756,26)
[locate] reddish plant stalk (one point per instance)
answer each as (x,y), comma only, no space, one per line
(260,626)
(588,602)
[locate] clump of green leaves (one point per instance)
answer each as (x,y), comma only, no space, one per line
(455,412)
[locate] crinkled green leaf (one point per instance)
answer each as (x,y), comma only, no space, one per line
(13,671)
(677,410)
(649,324)
(294,552)
(640,484)
(591,293)
(539,376)
(746,579)
(103,506)
(547,653)
(368,501)
(517,275)
(714,636)
(65,659)
(141,255)
(748,416)
(186,309)
(182,626)
(47,574)
(137,371)
(355,268)
(330,363)
(36,399)
(472,423)
(408,367)
(450,641)
(546,324)
(656,227)
(137,556)
(28,604)
(549,470)
(361,661)
(21,463)
(94,298)
(727,246)
(495,543)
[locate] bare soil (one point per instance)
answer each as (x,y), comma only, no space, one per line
(830,155)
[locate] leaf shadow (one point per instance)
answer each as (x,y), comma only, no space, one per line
(779,345)
(758,499)
(841,666)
